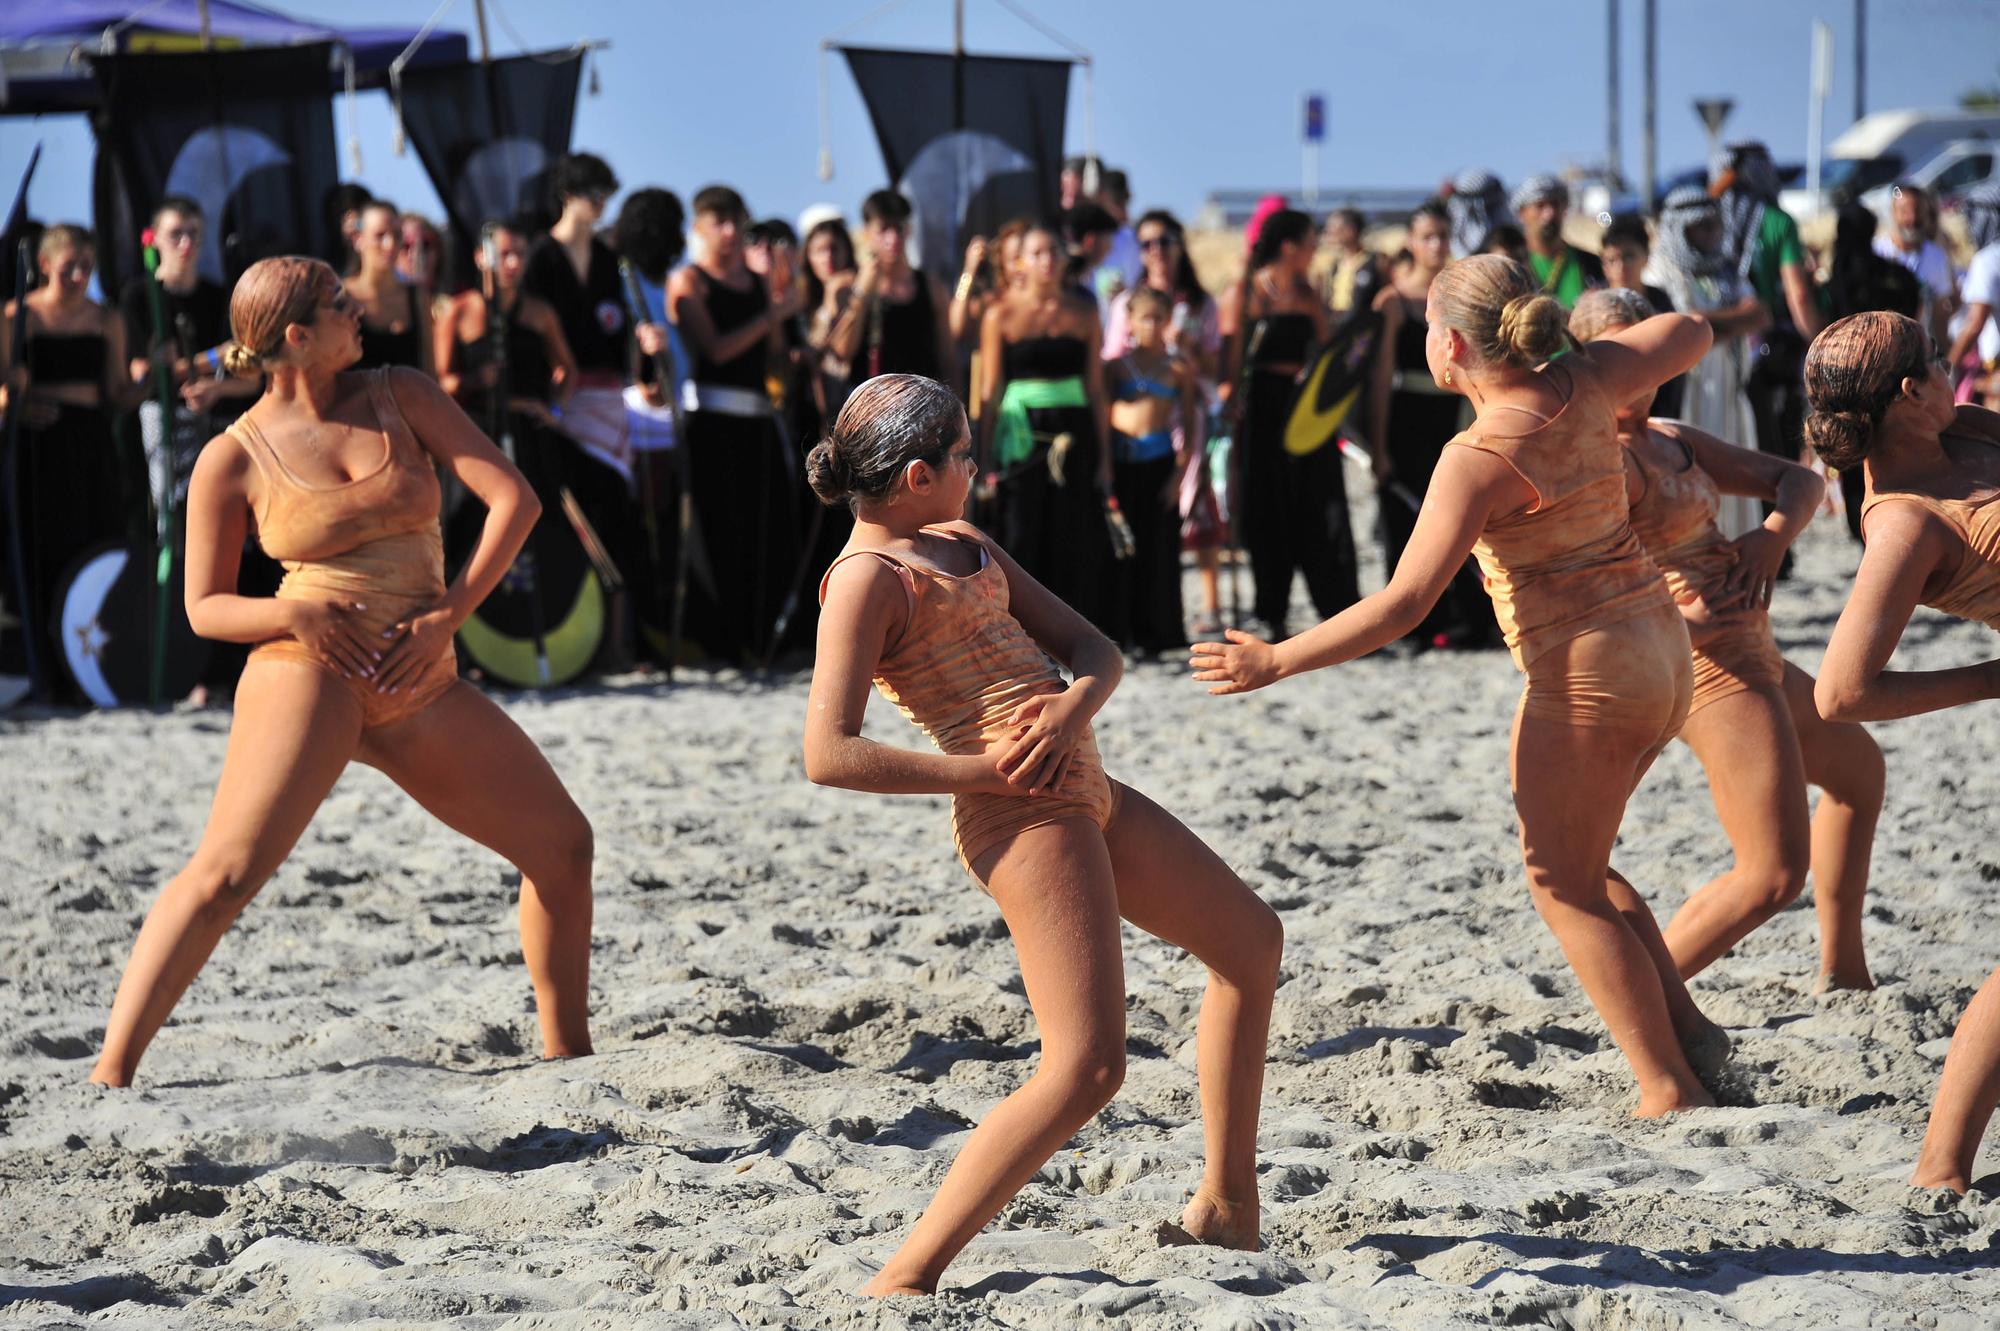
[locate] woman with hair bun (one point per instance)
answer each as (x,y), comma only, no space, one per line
(1752,722)
(337,475)
(955,634)
(1536,487)
(1881,400)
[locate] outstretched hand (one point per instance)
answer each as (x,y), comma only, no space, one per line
(1243,663)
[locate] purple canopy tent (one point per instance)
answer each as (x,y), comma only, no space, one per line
(39,43)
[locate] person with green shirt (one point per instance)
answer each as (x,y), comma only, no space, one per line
(1564,271)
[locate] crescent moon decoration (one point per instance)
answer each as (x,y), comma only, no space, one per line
(490,179)
(942,180)
(85,637)
(208,168)
(1332,387)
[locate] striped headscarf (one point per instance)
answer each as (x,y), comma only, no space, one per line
(1982,214)
(1679,264)
(1476,205)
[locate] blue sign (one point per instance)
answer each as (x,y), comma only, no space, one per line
(1315,128)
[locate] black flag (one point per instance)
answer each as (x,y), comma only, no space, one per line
(971,139)
(247,134)
(488,135)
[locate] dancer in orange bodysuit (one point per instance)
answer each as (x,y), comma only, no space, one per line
(1537,488)
(1881,400)
(335,473)
(960,638)
(1752,722)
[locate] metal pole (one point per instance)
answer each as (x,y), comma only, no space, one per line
(1648,161)
(485,47)
(1860,58)
(207,35)
(1819,82)
(1614,166)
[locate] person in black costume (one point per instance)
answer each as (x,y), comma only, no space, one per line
(897,320)
(395,321)
(1861,280)
(540,368)
(76,488)
(1293,513)
(1410,421)
(1044,433)
(747,481)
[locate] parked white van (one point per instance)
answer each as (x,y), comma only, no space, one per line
(1877,149)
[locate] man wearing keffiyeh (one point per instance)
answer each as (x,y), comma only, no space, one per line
(1476,204)
(1564,271)
(1762,243)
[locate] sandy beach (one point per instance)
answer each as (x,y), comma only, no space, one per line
(801,1003)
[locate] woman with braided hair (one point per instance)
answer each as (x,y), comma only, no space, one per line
(336,474)
(1536,487)
(1881,400)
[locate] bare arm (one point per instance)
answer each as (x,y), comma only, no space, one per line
(947,340)
(1906,547)
(698,330)
(993,373)
(1100,398)
(1384,387)
(562,361)
(218,509)
(1799,300)
(865,610)
(444,345)
(1095,664)
(121,392)
(420,315)
(1796,490)
(1976,315)
(450,437)
(1649,353)
(1466,490)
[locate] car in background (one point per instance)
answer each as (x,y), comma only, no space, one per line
(1963,165)
(1878,149)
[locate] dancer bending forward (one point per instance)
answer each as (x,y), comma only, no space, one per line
(1537,485)
(1881,401)
(1752,723)
(337,474)
(960,639)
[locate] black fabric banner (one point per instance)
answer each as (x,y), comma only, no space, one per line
(488,136)
(247,134)
(971,140)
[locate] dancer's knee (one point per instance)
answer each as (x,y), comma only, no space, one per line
(1264,947)
(1857,776)
(1088,1077)
(1773,884)
(563,856)
(221,882)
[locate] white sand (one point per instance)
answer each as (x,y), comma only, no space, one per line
(801,1003)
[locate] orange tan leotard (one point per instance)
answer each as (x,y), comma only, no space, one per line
(374,540)
(1973,589)
(1674,519)
(960,667)
(1584,611)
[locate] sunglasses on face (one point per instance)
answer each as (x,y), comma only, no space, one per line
(1156,242)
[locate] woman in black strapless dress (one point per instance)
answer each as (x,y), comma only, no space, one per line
(76,489)
(1044,432)
(1293,514)
(395,325)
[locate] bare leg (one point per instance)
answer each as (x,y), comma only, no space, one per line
(1967,1094)
(1570,788)
(472,768)
(1750,752)
(1054,887)
(294,730)
(1843,760)
(1174,887)
(1211,584)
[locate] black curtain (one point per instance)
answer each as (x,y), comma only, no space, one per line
(247,134)
(972,140)
(488,136)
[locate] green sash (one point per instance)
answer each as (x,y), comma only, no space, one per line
(1014,438)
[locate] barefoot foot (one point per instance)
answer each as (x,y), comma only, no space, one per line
(1835,980)
(1222,1224)
(1672,1099)
(885,1286)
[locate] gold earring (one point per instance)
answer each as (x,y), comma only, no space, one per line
(1447,376)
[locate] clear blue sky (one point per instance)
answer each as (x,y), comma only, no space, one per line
(1190,96)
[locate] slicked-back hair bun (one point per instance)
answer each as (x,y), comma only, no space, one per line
(889,422)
